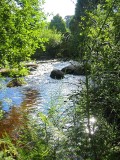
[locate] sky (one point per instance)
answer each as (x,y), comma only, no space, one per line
(61,7)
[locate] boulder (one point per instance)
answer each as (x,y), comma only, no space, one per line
(57,74)
(69,69)
(16,82)
(31,66)
(74,69)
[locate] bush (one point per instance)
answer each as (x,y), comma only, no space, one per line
(51,46)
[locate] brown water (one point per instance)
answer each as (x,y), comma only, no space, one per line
(36,96)
(16,117)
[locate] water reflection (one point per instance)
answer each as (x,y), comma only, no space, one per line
(17,115)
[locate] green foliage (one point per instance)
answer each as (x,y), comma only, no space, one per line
(21,23)
(58,24)
(54,38)
(89,129)
(33,143)
(1,114)
(80,23)
(20,72)
(51,46)
(8,149)
(30,144)
(67,47)
(101,98)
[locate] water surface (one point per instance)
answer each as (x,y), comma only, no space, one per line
(39,95)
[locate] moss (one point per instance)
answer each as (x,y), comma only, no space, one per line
(16,82)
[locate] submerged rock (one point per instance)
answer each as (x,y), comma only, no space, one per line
(16,82)
(57,74)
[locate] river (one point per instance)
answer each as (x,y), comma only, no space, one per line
(38,95)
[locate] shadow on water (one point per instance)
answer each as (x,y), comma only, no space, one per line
(17,115)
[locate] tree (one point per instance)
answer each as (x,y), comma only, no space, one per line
(58,24)
(52,45)
(82,6)
(21,22)
(102,98)
(79,23)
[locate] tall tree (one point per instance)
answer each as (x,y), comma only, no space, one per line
(58,23)
(78,23)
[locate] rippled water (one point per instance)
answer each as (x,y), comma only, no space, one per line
(40,93)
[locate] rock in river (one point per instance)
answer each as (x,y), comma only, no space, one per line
(31,66)
(69,69)
(16,82)
(57,74)
(74,69)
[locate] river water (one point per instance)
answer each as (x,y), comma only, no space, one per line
(39,94)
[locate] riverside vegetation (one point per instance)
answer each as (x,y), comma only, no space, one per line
(88,130)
